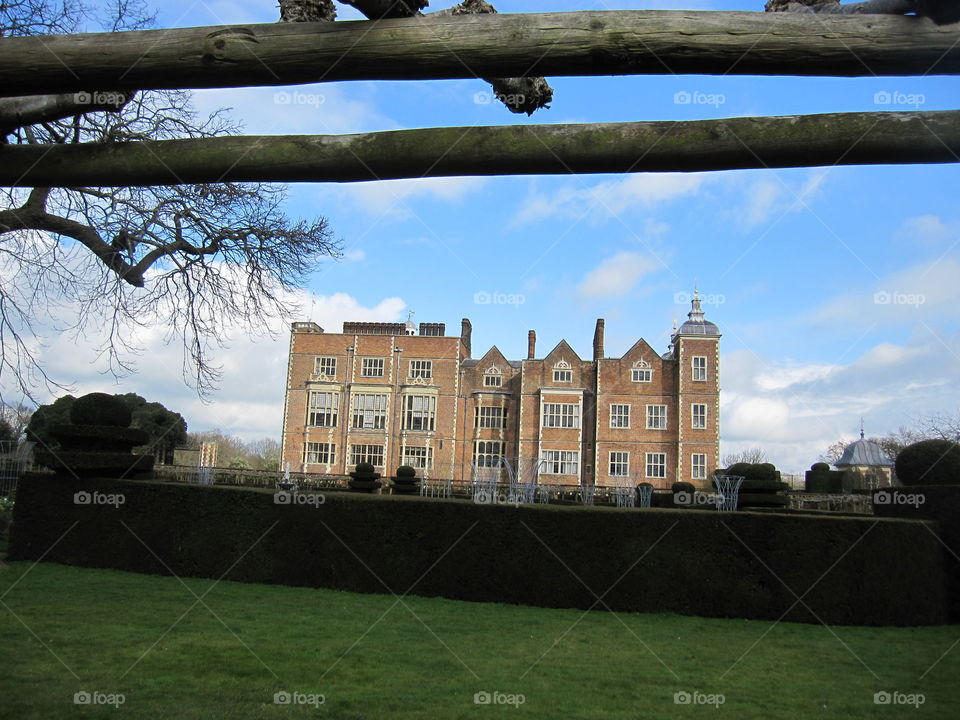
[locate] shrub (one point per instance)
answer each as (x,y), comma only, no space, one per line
(819,467)
(406,471)
(929,462)
(100,409)
(365,469)
(682,487)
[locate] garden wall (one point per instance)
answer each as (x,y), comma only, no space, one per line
(860,571)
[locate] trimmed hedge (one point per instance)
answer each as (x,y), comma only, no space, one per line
(692,563)
(940,503)
(929,462)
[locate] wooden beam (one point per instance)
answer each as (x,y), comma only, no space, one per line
(576,43)
(701,145)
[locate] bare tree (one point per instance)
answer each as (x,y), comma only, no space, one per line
(750,455)
(945,426)
(197,259)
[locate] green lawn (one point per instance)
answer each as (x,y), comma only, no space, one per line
(66,630)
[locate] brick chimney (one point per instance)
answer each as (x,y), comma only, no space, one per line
(466,330)
(598,341)
(531,344)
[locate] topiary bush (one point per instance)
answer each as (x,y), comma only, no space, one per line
(929,462)
(406,471)
(100,409)
(682,487)
(364,478)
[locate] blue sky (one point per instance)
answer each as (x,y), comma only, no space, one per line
(836,288)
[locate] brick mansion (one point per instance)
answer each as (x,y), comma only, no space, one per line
(396,394)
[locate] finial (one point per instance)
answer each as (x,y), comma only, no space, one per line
(696,312)
(861,428)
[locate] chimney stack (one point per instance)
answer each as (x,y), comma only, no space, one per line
(466,330)
(531,344)
(598,341)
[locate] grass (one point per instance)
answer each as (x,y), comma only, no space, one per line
(65,630)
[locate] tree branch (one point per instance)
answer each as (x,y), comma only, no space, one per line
(33,109)
(727,144)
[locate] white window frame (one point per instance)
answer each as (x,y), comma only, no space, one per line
(619,464)
(560,462)
(421,369)
(364,453)
(324,406)
(490,416)
(698,420)
(656,466)
(315,452)
(418,457)
(698,369)
(373,418)
(641,372)
(419,413)
(371,367)
(698,466)
(318,366)
(620,416)
(560,415)
(656,417)
(487,453)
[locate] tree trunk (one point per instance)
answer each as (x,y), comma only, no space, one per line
(728,144)
(467,46)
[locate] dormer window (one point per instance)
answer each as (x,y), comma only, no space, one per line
(562,372)
(493,377)
(641,372)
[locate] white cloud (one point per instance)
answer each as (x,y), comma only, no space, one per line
(392,199)
(794,411)
(608,199)
(928,229)
(925,292)
(249,402)
(295,110)
(616,275)
(355,255)
(770,197)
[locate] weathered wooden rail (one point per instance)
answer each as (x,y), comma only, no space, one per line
(621,42)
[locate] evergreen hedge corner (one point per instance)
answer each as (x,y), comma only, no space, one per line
(693,563)
(929,462)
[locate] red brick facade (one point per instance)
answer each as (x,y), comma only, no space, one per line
(404,398)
